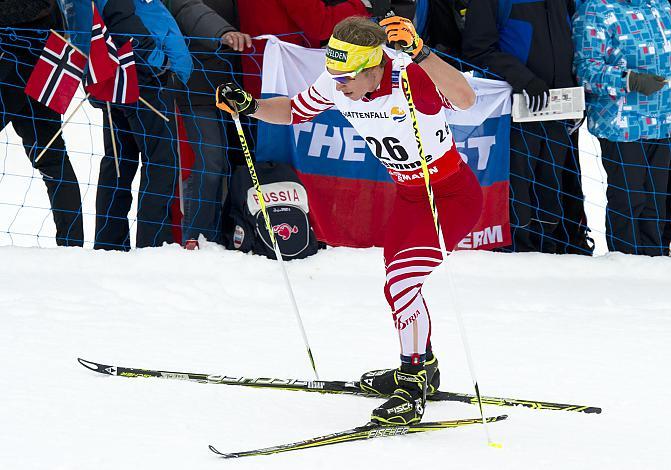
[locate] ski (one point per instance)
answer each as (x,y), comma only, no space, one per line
(323,386)
(361,433)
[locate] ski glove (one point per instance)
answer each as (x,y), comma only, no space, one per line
(645,83)
(401,31)
(536,94)
(229,96)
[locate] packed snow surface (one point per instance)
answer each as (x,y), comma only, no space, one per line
(589,331)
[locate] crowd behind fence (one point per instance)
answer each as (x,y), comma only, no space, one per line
(168,182)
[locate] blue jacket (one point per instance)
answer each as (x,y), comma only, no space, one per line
(612,37)
(157,41)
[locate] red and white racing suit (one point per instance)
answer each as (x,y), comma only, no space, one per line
(411,247)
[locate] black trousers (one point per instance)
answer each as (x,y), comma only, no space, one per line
(638,185)
(207,186)
(140,135)
(546,199)
(36,125)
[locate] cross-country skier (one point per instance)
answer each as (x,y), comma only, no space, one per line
(362,82)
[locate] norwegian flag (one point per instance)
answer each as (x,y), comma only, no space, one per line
(103,60)
(122,87)
(57,74)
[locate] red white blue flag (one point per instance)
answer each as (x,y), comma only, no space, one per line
(351,193)
(122,87)
(103,60)
(57,74)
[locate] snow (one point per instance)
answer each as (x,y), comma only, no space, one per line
(589,331)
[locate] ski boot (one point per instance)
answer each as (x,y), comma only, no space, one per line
(384,382)
(406,405)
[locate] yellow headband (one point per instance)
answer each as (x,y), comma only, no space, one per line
(345,57)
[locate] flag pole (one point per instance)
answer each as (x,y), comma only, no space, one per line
(116,155)
(60,131)
(68,42)
(148,105)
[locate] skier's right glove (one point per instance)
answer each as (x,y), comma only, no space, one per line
(400,31)
(536,94)
(229,96)
(645,83)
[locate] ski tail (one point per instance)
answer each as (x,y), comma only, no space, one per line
(498,401)
(361,433)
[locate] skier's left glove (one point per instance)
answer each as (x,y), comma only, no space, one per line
(229,93)
(401,31)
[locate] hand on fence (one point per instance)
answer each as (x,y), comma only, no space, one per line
(236,40)
(229,96)
(402,32)
(645,83)
(536,95)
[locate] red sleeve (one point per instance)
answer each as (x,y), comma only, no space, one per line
(428,99)
(306,105)
(317,19)
(315,100)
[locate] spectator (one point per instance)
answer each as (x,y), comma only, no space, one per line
(207,185)
(159,50)
(35,123)
(528,44)
(623,58)
(443,26)
(314,18)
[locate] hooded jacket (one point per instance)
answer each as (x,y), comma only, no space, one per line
(611,38)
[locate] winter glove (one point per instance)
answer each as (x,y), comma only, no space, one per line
(536,95)
(229,96)
(645,83)
(401,31)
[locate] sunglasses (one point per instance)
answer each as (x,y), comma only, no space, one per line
(343,78)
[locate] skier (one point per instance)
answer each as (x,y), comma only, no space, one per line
(362,82)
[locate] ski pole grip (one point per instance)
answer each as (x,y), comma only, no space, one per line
(234,106)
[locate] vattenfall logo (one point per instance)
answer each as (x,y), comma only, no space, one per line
(335,54)
(397,114)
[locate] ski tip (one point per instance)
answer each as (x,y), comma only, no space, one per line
(496,445)
(95,367)
(220,454)
(89,365)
